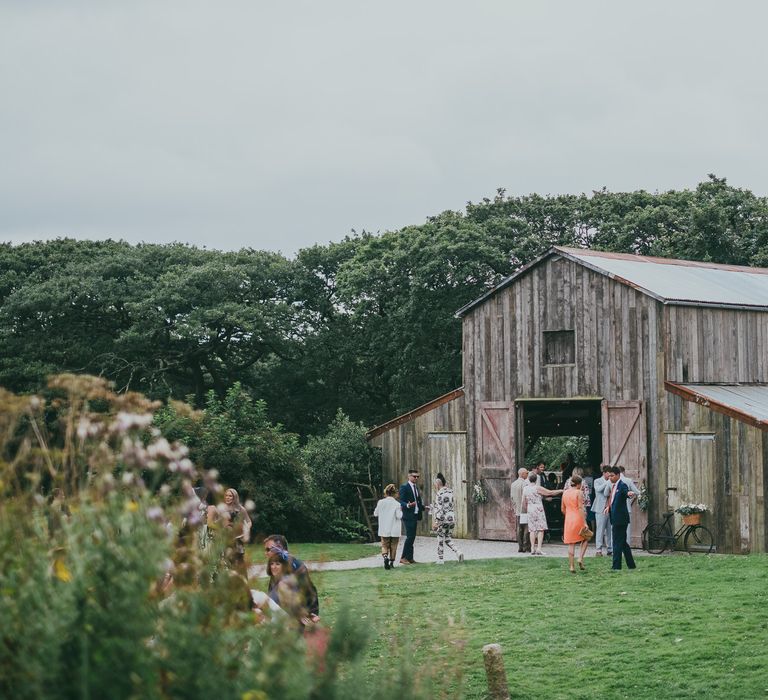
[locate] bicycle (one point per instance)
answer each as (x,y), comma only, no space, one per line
(658,537)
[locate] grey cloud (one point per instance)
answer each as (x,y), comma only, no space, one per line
(278,125)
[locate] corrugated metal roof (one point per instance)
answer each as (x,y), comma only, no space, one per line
(748,402)
(681,281)
(666,279)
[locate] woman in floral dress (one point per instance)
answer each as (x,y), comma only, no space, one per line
(444,518)
(534,506)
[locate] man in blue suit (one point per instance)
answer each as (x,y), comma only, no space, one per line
(413,510)
(619,514)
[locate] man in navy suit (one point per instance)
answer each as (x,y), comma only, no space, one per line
(619,514)
(413,510)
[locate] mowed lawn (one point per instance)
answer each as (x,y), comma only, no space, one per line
(676,627)
(319,551)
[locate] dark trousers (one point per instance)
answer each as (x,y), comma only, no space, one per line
(410,537)
(621,546)
(523,541)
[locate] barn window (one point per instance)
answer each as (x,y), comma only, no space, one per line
(559,347)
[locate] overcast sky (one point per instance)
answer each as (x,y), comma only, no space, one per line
(278,125)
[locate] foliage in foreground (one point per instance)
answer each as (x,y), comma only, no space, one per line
(104,589)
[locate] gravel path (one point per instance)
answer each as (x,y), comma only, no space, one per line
(425,551)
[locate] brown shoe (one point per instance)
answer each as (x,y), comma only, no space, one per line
(405,561)
(414,562)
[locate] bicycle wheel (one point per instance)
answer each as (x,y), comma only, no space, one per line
(657,538)
(699,539)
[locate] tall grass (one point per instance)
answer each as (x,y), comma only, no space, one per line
(104,591)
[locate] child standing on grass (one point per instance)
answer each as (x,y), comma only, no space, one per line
(390,513)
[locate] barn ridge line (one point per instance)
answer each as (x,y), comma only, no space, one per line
(574,255)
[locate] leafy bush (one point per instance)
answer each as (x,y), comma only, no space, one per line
(234,436)
(342,457)
(105,590)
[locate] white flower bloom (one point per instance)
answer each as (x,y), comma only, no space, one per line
(155,513)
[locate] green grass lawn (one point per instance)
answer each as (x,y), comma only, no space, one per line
(677,627)
(321,551)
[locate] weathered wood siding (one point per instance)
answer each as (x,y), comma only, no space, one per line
(715,345)
(618,334)
(728,473)
(417,444)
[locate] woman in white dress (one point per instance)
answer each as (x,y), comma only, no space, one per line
(534,506)
(390,513)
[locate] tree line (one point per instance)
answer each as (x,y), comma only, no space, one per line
(290,360)
(366,324)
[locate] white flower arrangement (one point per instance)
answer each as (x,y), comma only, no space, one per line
(644,498)
(691,508)
(479,494)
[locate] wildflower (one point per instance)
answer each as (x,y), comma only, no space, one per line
(129,421)
(155,513)
(131,506)
(83,427)
(186,467)
(60,570)
(160,448)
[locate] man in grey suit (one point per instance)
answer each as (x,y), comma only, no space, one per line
(632,489)
(602,492)
(521,519)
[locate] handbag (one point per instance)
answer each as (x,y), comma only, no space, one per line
(585,533)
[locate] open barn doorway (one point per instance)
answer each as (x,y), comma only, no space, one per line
(562,433)
(574,421)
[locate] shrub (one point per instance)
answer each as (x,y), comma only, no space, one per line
(86,610)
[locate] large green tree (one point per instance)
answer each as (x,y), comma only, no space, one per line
(366,324)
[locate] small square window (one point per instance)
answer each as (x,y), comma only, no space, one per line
(559,347)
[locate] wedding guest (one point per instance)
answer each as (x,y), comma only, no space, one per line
(533,505)
(235,520)
(585,488)
(635,493)
(619,514)
(290,584)
(575,521)
(521,518)
(602,522)
(444,518)
(413,511)
(390,513)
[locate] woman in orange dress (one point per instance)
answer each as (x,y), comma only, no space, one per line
(575,519)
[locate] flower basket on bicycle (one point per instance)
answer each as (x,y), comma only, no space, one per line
(658,537)
(691,512)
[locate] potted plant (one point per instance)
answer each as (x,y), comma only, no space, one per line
(691,512)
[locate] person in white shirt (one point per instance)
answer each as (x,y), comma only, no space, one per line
(389,513)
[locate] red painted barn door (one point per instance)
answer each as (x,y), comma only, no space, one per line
(625,445)
(495,461)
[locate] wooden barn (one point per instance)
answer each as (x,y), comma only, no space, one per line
(662,365)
